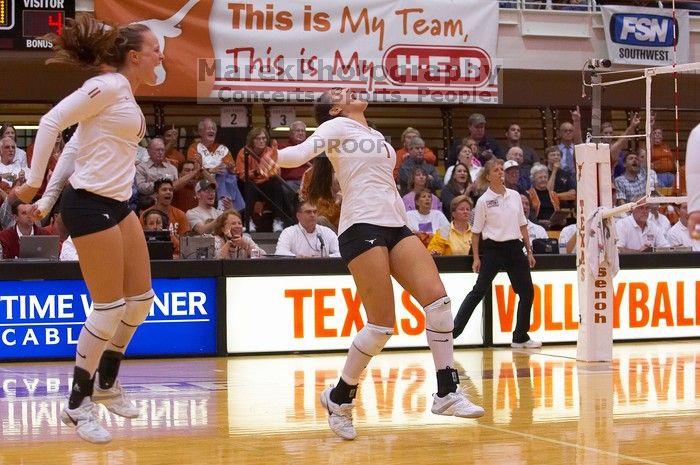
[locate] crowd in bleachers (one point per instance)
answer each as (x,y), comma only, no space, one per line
(206,190)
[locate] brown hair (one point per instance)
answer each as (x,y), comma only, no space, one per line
(221,219)
(321,183)
(253,133)
(86,42)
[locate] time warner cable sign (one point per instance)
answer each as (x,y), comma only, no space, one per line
(43,319)
(645,36)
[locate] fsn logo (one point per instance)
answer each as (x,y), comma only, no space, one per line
(643,29)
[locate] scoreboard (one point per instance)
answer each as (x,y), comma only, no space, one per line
(22,22)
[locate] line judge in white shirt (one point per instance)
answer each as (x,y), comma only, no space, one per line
(500,233)
(307,239)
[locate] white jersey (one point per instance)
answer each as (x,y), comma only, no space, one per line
(111,125)
(364,165)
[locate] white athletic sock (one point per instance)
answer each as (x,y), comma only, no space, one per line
(439,333)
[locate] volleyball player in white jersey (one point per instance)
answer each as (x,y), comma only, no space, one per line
(692,182)
(377,245)
(107,235)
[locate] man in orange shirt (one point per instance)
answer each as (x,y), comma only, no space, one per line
(172,154)
(163,193)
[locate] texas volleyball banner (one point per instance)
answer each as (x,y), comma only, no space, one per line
(442,51)
(645,36)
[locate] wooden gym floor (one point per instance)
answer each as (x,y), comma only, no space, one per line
(541,407)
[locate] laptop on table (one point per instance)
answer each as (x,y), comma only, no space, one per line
(38,247)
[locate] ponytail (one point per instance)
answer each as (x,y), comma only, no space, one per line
(89,43)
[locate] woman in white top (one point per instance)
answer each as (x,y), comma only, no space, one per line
(377,245)
(499,232)
(425,221)
(229,240)
(99,164)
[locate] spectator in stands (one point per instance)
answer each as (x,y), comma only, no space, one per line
(201,218)
(415,160)
(560,181)
(544,201)
(406,136)
(8,130)
(297,135)
(163,202)
(534,231)
(24,226)
(662,159)
(529,156)
(465,155)
(618,147)
(656,217)
(651,173)
(458,185)
(569,136)
(307,239)
(511,178)
(418,182)
(157,167)
(171,138)
(457,238)
(10,168)
(261,185)
(567,239)
(229,240)
(631,184)
(678,235)
(516,154)
(424,221)
(184,196)
(217,160)
(636,234)
(488,147)
(154,219)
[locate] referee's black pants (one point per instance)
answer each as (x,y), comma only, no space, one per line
(505,256)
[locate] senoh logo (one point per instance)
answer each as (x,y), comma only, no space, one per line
(642,29)
(437,66)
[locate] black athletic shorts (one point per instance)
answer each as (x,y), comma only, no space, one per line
(85,213)
(361,237)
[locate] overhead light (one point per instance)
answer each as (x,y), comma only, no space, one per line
(27,127)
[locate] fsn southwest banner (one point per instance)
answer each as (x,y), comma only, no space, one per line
(43,319)
(442,51)
(645,36)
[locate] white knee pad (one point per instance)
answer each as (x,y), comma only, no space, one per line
(372,338)
(438,316)
(137,308)
(104,319)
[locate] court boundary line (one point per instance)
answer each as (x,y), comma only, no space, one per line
(564,443)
